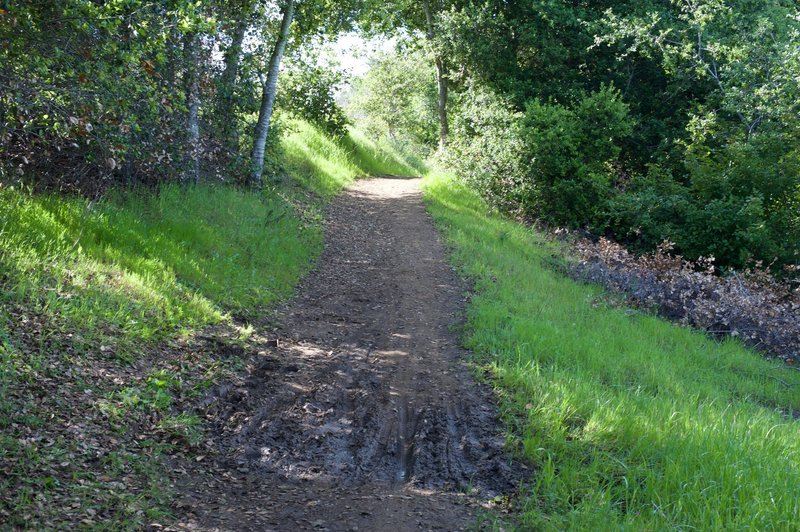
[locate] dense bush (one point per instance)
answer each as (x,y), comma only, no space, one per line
(486,148)
(96,94)
(572,151)
(563,164)
(698,146)
(85,91)
(553,162)
(738,204)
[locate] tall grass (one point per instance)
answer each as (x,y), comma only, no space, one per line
(631,422)
(86,289)
(142,265)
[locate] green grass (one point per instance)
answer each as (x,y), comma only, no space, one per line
(88,293)
(324,165)
(632,422)
(141,265)
(144,265)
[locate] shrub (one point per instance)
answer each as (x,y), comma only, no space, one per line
(571,150)
(308,90)
(737,203)
(486,148)
(552,162)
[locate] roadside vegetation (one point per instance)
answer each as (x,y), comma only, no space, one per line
(354,155)
(643,122)
(630,421)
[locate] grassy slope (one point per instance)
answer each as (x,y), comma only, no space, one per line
(144,265)
(632,422)
(353,156)
(92,301)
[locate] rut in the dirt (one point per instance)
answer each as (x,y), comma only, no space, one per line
(368,392)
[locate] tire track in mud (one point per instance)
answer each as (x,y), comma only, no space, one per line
(364,418)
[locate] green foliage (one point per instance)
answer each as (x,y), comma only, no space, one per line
(630,422)
(698,145)
(571,152)
(308,89)
(487,148)
(739,206)
(274,149)
(553,162)
(396,99)
(89,89)
(94,95)
(325,165)
(739,172)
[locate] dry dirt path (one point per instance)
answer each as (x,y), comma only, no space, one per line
(364,417)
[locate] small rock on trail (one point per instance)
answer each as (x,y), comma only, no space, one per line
(363,416)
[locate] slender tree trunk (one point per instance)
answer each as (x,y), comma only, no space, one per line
(268,94)
(226,114)
(441,77)
(193,103)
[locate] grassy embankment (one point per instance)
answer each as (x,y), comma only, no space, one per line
(99,305)
(355,155)
(632,422)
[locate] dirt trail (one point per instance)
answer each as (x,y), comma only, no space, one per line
(364,417)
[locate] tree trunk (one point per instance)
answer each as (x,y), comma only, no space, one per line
(441,77)
(226,114)
(193,104)
(268,95)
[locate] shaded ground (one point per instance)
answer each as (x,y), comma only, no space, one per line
(364,416)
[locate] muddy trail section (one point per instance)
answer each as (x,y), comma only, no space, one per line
(364,416)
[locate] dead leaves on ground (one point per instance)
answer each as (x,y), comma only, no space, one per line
(86,424)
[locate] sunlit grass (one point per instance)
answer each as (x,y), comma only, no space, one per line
(381,157)
(631,422)
(96,300)
(325,165)
(145,264)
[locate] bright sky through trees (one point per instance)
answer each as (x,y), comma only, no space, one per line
(353,51)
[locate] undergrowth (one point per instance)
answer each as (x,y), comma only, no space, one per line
(631,422)
(141,265)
